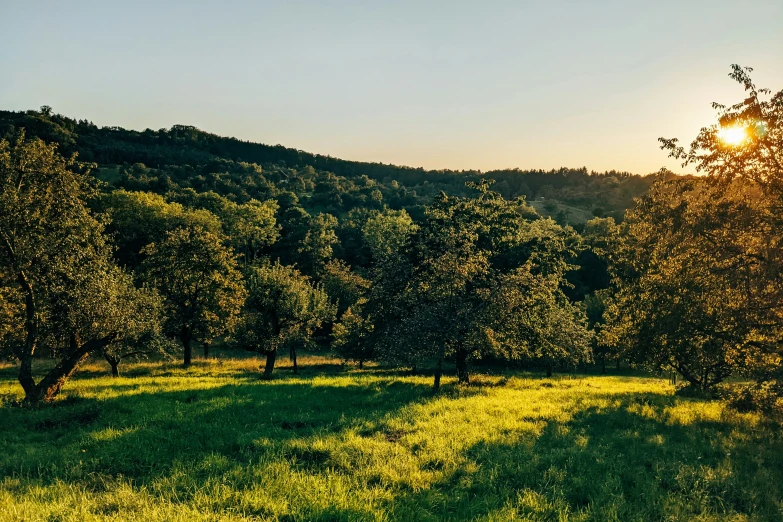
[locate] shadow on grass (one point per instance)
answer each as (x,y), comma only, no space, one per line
(141,436)
(633,461)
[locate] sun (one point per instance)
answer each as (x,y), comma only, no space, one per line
(733,135)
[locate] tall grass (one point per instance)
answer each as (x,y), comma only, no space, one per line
(216,443)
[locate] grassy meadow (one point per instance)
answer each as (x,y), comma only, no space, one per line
(335,443)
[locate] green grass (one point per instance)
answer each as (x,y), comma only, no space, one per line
(216,443)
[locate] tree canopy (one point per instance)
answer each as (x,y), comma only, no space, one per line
(179,233)
(282,309)
(699,271)
(470,269)
(200,282)
(62,289)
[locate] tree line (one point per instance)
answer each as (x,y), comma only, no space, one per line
(185,157)
(104,255)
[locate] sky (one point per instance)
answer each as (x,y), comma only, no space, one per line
(437,84)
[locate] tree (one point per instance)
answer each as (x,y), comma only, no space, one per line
(316,247)
(11,329)
(152,343)
(683,301)
(197,277)
(282,309)
(62,289)
(351,336)
(343,286)
(602,238)
(595,309)
(443,298)
(742,159)
(141,218)
(249,226)
(352,247)
(448,282)
(386,233)
(533,321)
(746,142)
(103,304)
(700,271)
(307,242)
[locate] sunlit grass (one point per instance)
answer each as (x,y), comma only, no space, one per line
(217,443)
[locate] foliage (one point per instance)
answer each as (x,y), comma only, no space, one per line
(62,289)
(306,241)
(757,157)
(352,335)
(282,309)
(680,303)
(765,396)
(249,226)
(595,305)
(316,247)
(753,170)
(534,322)
(343,286)
(386,234)
(599,239)
(198,278)
(183,157)
(140,218)
(701,275)
(457,290)
(153,344)
(11,328)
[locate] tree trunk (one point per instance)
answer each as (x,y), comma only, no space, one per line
(186,337)
(438,373)
(549,370)
(293,359)
(603,365)
(270,364)
(114,362)
(617,364)
(413,370)
(692,379)
(361,364)
(461,357)
(26,374)
(31,338)
(206,350)
(52,383)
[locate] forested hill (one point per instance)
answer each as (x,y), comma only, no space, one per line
(186,157)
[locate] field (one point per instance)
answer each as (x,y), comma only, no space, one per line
(216,443)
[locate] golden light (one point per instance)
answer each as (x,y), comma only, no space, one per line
(733,135)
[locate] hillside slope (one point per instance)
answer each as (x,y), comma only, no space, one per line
(186,156)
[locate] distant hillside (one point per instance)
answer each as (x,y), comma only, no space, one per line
(188,157)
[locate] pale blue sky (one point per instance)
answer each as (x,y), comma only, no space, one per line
(438,84)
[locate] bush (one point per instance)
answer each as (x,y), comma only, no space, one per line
(765,397)
(686,389)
